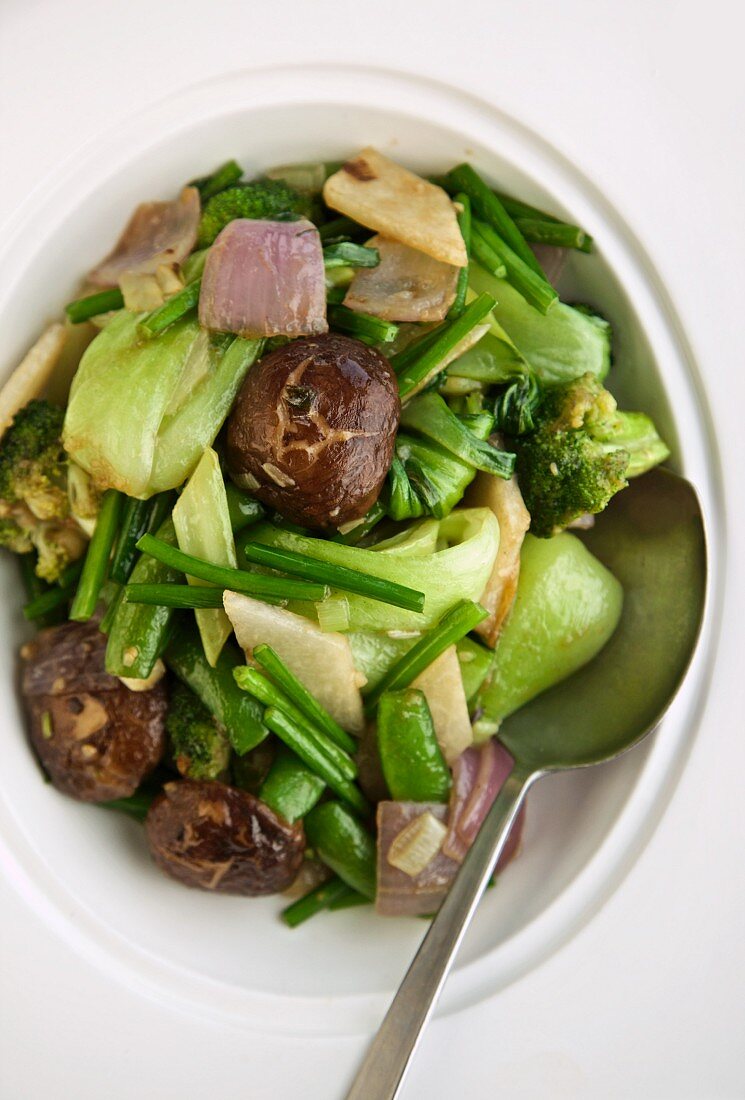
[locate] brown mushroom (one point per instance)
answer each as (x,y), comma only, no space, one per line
(313,428)
(96,739)
(215,837)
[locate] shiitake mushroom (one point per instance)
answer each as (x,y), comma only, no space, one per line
(313,428)
(96,739)
(215,837)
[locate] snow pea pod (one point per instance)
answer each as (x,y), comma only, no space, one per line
(216,687)
(413,764)
(291,789)
(344,845)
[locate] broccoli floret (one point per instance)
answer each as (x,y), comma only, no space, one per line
(34,506)
(33,466)
(199,747)
(581,453)
(260,199)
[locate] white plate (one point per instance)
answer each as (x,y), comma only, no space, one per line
(87,871)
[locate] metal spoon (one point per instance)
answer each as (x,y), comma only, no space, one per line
(652,539)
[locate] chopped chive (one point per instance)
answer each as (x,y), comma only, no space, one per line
(54,597)
(173,595)
(534,289)
(224,176)
(323,897)
(352,900)
(262,688)
(491,210)
(453,626)
(349,254)
(557,234)
(362,325)
(135,523)
(97,557)
(336,576)
(297,739)
(223,576)
(464,224)
(412,351)
(172,310)
(270,660)
(449,336)
(82,309)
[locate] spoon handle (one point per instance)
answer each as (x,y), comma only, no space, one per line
(382,1072)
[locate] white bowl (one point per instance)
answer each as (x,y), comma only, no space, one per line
(87,871)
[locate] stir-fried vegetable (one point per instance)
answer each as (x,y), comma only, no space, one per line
(353,508)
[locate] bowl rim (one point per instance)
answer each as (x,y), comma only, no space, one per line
(51,201)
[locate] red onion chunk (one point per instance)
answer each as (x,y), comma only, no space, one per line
(399,894)
(265,278)
(157,233)
(478,776)
(406,285)
(552,261)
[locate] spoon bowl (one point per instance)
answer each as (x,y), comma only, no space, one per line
(652,538)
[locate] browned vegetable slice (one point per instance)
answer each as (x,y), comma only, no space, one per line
(407,285)
(216,837)
(96,739)
(385,197)
(313,427)
(157,233)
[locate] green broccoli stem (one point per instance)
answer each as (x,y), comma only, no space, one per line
(323,897)
(436,352)
(268,693)
(535,289)
(362,325)
(271,661)
(49,600)
(296,738)
(555,234)
(82,309)
(237,580)
(464,224)
(348,254)
(224,176)
(454,625)
(335,576)
(135,523)
(430,416)
(174,595)
(491,210)
(97,557)
(172,310)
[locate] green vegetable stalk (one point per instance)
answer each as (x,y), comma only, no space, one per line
(566,608)
(141,413)
(459,569)
(202,522)
(291,789)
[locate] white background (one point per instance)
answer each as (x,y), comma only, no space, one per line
(648,98)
